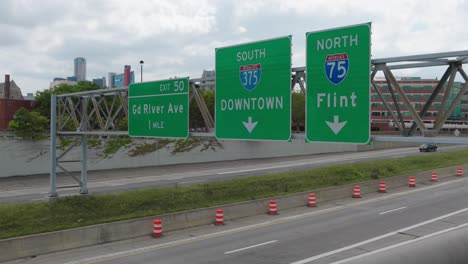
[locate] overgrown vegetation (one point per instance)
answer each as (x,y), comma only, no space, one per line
(94,143)
(29,125)
(35,124)
(112,145)
(64,142)
(43,97)
(191,143)
(297,110)
(106,147)
(195,116)
(142,149)
(69,212)
(186,144)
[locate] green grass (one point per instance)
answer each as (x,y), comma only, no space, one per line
(69,212)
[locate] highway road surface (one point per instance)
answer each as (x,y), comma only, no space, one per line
(34,188)
(334,232)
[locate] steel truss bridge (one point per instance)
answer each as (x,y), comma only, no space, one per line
(99,112)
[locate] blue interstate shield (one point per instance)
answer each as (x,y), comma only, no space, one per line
(250,76)
(336,67)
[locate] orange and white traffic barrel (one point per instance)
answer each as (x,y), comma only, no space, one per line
(460,171)
(434,177)
(311,200)
(412,181)
(157,228)
(357,191)
(382,187)
(273,208)
(219,217)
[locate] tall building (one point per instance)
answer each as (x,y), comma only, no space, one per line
(80,69)
(127,70)
(101,82)
(207,79)
(122,79)
(110,79)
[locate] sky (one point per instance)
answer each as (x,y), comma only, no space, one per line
(40,38)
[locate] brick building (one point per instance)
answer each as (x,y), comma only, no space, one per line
(418,91)
(11,99)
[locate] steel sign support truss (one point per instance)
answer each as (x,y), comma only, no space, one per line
(98,112)
(431,99)
(453,61)
(209,123)
(395,102)
(397,120)
(101,112)
(108,107)
(392,82)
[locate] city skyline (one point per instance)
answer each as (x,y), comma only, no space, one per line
(179,38)
(112,80)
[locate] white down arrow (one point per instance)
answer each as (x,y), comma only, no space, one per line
(249,125)
(336,126)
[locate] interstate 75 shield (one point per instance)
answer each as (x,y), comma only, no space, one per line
(336,67)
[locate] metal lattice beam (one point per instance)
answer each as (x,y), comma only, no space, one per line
(100,112)
(434,94)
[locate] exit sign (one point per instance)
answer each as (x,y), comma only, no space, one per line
(159,109)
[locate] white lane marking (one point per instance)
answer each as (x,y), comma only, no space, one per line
(238,171)
(141,250)
(257,245)
(310,162)
(401,244)
(333,252)
(175,176)
(187,182)
(389,211)
(39,190)
(136,251)
(113,184)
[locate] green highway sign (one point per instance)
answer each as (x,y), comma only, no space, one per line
(338,85)
(253,91)
(159,109)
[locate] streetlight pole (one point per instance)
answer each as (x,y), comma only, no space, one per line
(141,70)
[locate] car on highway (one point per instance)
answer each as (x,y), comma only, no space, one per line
(427,147)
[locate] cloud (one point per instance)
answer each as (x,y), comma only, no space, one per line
(40,39)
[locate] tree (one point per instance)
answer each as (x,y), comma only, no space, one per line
(196,118)
(298,109)
(29,124)
(43,97)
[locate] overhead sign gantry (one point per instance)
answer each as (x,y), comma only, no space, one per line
(337,86)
